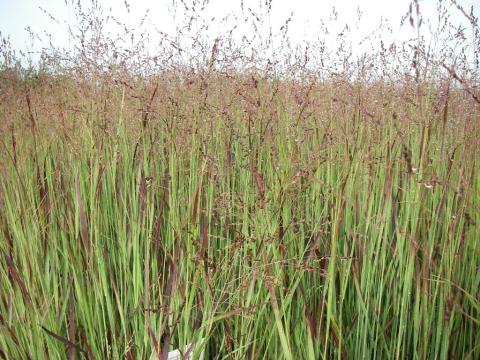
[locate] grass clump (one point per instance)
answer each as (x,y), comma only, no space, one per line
(254,215)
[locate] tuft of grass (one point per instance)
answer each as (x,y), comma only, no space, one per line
(265,247)
(255,211)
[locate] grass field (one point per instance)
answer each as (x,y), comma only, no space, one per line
(258,217)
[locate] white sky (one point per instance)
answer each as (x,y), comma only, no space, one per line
(17,15)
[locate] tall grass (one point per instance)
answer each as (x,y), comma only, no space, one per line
(257,217)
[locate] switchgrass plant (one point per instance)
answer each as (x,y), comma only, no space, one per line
(355,239)
(252,215)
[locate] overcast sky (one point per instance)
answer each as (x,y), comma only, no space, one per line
(17,15)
